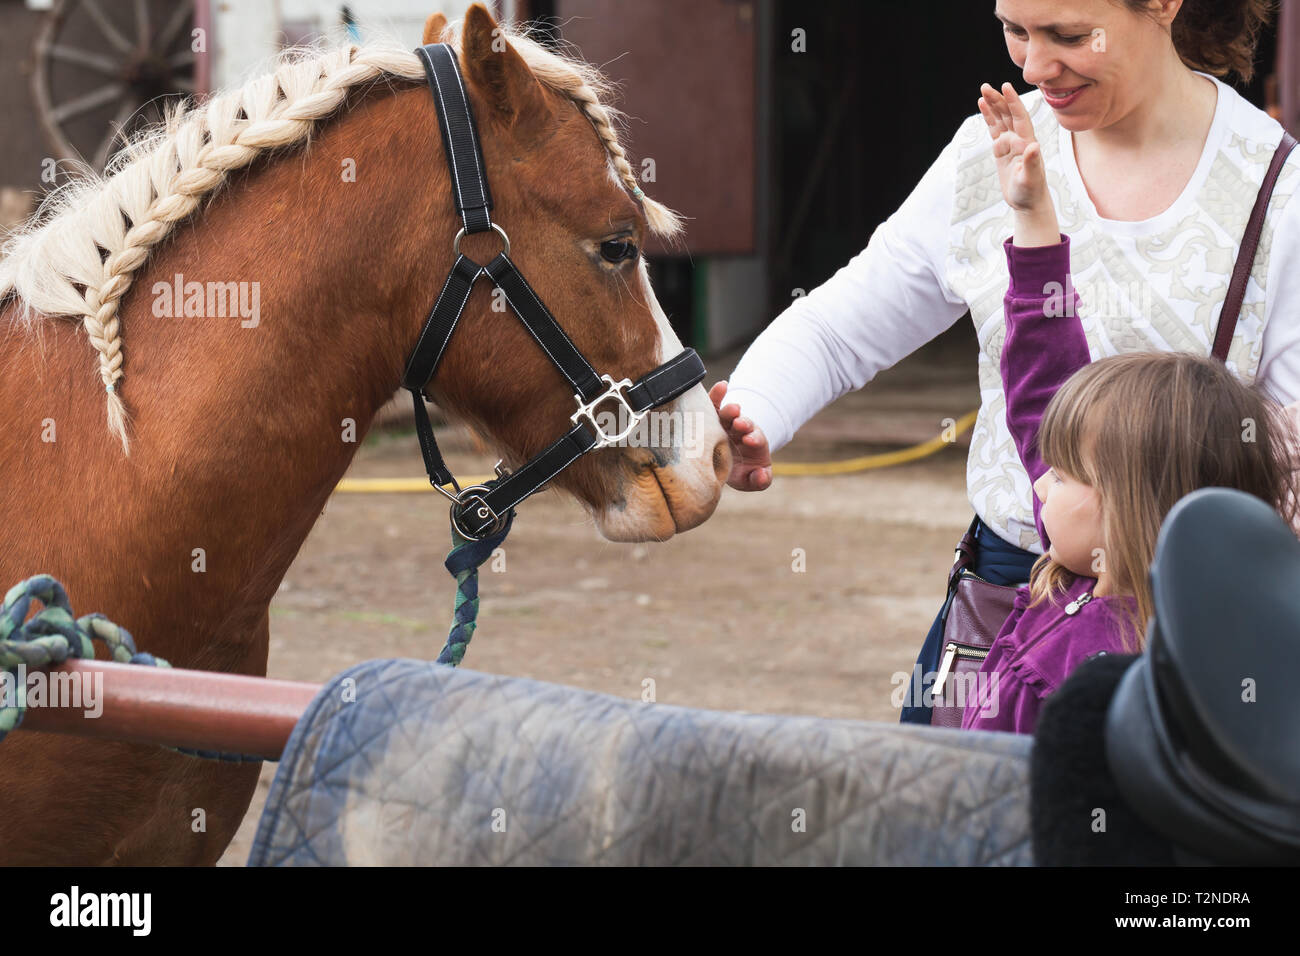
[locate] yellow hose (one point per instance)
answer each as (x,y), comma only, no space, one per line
(883,460)
(387,485)
(863,463)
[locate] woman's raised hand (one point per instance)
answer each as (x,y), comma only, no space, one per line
(751,459)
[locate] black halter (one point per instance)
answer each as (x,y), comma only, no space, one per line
(481,510)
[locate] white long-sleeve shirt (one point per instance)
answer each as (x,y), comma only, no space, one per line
(1154,284)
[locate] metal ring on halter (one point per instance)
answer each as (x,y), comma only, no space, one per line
(482,511)
(455,246)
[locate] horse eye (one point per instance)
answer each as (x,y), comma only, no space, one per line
(616,250)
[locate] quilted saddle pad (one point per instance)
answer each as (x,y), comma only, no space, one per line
(404,762)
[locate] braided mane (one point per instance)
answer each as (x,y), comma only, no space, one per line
(79,255)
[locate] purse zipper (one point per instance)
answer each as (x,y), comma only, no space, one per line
(953,650)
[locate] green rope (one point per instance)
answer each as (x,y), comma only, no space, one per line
(463,561)
(53,635)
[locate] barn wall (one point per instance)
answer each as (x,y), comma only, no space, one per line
(687,70)
(691,74)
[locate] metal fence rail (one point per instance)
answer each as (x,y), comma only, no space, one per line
(201,710)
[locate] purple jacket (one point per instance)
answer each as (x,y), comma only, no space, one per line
(1038,647)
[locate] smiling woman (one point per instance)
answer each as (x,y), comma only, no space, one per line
(1153,163)
(1059,95)
(1099,61)
(1212,36)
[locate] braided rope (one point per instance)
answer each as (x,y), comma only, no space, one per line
(463,561)
(53,635)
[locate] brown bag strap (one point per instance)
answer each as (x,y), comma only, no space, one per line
(965,555)
(1246,255)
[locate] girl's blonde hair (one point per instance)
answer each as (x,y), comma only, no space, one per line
(1145,429)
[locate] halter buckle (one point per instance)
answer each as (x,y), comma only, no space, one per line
(588,410)
(483,510)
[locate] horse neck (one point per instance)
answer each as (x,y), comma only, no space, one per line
(241,425)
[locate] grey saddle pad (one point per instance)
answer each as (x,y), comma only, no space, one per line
(430,765)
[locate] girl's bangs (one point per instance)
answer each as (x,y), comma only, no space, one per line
(1066,432)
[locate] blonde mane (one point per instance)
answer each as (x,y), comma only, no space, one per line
(79,254)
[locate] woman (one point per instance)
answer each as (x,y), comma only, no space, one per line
(1153,164)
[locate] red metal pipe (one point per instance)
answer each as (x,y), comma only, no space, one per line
(203,710)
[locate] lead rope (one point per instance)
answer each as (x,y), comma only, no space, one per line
(53,635)
(463,561)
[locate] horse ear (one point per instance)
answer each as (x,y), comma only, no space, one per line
(433,28)
(500,73)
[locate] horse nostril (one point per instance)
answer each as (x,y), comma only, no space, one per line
(722,459)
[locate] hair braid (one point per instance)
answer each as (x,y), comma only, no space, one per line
(660,218)
(202,148)
(79,256)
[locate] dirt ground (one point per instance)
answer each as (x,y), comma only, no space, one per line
(719,617)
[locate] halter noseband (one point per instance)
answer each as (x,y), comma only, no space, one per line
(482,510)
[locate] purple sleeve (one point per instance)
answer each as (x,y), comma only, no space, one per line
(1008,705)
(1044,346)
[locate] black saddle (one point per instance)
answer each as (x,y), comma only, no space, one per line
(1202,735)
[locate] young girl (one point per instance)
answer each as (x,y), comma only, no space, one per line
(1110,446)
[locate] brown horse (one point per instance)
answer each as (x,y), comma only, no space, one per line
(238,421)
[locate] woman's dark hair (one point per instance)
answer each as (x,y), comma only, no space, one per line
(1217,36)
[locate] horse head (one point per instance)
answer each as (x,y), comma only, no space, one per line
(577,221)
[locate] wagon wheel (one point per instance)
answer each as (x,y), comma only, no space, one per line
(105,70)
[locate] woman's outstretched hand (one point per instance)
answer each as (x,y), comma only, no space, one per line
(751,459)
(1021,172)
